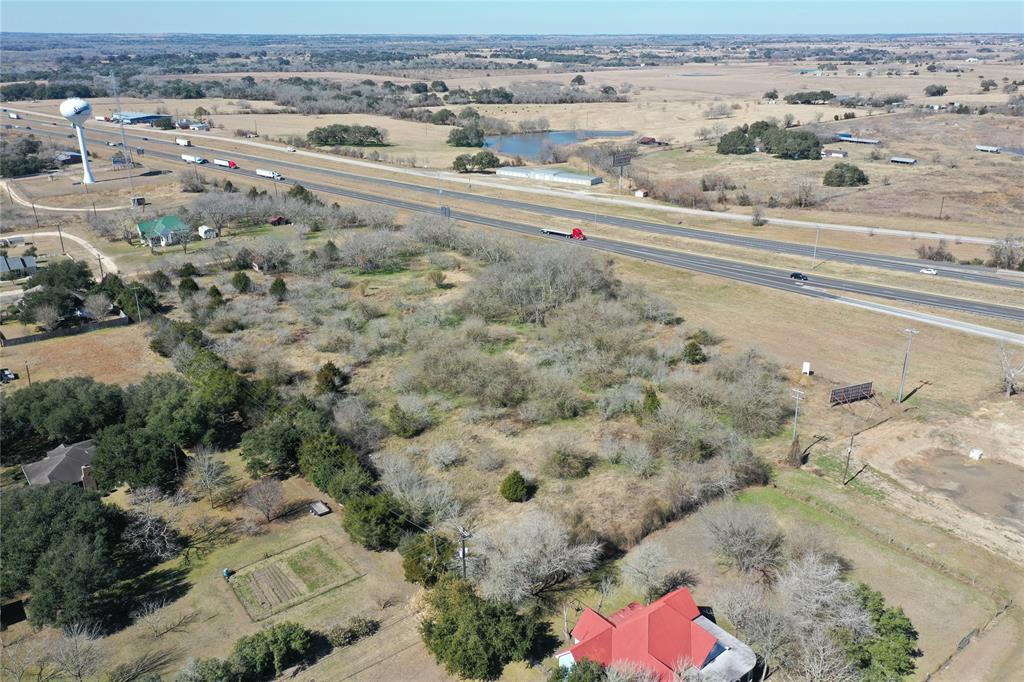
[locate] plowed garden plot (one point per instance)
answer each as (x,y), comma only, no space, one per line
(291,577)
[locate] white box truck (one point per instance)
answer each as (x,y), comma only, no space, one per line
(273,175)
(188,158)
(13,115)
(182,142)
(226,164)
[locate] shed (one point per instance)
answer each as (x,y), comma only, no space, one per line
(837,153)
(647,140)
(165,230)
(17,266)
(207,232)
(67,158)
(548,175)
(987,148)
(319,509)
(278,220)
(903,161)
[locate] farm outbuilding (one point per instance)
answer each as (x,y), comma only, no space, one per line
(849,137)
(903,161)
(207,232)
(548,175)
(15,266)
(67,158)
(987,148)
(137,117)
(836,153)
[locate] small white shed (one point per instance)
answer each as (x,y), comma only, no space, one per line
(207,232)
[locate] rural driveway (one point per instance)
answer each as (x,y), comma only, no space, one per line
(108,263)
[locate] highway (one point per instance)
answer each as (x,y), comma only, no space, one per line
(818,255)
(760,275)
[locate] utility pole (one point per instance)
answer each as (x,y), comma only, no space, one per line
(906,362)
(798,395)
(28,374)
(814,257)
(849,454)
(138,309)
(463,536)
(99,259)
(942,201)
(36,215)
(60,233)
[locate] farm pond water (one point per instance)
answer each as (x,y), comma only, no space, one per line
(531,145)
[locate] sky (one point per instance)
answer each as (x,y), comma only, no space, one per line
(560,17)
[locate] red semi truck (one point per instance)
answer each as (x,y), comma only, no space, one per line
(576,233)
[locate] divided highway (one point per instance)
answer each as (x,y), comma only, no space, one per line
(744,272)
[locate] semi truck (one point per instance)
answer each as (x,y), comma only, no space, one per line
(273,175)
(182,142)
(576,233)
(188,158)
(226,164)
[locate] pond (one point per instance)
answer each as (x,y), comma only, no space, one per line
(530,145)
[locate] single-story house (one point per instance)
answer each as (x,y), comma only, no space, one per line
(165,230)
(17,266)
(207,232)
(71,464)
(837,153)
(665,637)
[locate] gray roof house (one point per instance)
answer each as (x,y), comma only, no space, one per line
(17,265)
(64,464)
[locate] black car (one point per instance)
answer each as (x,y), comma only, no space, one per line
(798,275)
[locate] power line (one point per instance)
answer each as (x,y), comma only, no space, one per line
(798,395)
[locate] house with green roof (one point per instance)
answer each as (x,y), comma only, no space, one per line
(165,230)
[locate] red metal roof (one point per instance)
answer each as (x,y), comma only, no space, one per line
(661,636)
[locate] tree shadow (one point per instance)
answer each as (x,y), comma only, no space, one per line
(544,644)
(161,585)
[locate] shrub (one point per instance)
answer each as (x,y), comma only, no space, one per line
(278,289)
(845,175)
(437,278)
(267,653)
(330,379)
(514,488)
(346,635)
(409,417)
(426,557)
(935,90)
(566,462)
(350,481)
(639,458)
(375,521)
(241,282)
(693,354)
(443,455)
(187,287)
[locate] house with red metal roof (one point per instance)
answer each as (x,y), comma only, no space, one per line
(665,636)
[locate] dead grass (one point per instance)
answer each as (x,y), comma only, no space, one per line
(120,355)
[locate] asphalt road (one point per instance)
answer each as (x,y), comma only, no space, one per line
(816,255)
(775,278)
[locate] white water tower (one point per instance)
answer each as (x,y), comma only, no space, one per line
(78,111)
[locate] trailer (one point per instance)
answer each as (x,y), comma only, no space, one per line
(226,164)
(13,115)
(273,175)
(576,233)
(182,142)
(188,158)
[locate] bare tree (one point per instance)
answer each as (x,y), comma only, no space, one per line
(814,592)
(28,660)
(77,653)
(207,473)
(806,195)
(628,671)
(159,620)
(265,497)
(757,217)
(529,556)
(1008,252)
(46,316)
(645,567)
(746,536)
(97,305)
(819,659)
(764,624)
(428,499)
(149,534)
(1011,371)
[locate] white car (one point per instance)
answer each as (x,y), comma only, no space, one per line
(290,149)
(928,271)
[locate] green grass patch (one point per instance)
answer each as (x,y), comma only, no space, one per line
(314,566)
(834,468)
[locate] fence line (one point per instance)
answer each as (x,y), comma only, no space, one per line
(66,331)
